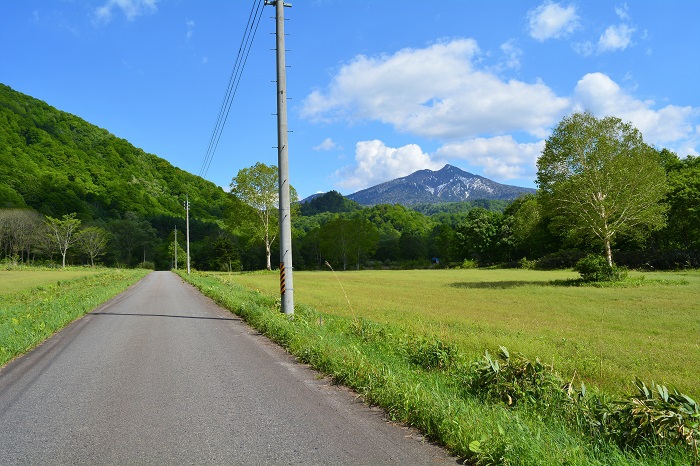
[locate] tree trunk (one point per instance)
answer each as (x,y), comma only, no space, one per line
(267,251)
(608,252)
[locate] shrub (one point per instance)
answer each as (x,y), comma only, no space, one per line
(150,265)
(524,263)
(595,268)
(469,264)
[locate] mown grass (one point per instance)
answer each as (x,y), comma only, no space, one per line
(607,336)
(31,316)
(12,281)
(419,380)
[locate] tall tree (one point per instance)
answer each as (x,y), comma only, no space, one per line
(364,241)
(683,229)
(601,179)
(257,186)
(93,242)
(478,235)
(63,232)
(345,239)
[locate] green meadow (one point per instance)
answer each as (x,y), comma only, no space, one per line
(12,281)
(648,328)
(414,342)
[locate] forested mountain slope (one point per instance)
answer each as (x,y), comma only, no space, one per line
(58,163)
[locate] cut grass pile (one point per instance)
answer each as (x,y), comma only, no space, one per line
(607,336)
(421,380)
(31,316)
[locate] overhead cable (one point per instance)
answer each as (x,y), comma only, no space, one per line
(234,80)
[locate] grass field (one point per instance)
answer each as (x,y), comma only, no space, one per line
(12,281)
(43,302)
(606,336)
(422,363)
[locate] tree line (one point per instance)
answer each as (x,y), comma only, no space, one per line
(601,190)
(53,164)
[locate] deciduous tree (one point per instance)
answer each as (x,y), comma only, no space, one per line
(601,179)
(63,233)
(93,242)
(258,187)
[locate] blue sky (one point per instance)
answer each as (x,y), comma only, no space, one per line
(379,89)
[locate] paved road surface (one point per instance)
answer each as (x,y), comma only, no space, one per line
(161,375)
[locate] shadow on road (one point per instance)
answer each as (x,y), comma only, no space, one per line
(161,315)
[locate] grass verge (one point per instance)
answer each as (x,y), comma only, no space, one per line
(423,382)
(31,316)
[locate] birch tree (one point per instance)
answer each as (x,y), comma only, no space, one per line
(600,179)
(63,233)
(258,186)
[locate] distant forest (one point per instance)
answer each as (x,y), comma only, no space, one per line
(53,164)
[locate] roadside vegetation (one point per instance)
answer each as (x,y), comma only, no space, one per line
(32,315)
(480,373)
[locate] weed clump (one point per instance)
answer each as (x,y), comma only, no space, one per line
(517,380)
(653,418)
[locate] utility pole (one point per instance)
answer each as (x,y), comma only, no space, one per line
(286,282)
(187,210)
(175,247)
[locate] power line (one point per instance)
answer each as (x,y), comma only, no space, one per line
(241,59)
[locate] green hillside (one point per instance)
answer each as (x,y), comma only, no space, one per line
(58,163)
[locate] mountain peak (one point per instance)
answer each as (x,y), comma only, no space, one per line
(452,169)
(449,184)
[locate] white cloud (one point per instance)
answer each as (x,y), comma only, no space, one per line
(327,144)
(190,29)
(584,48)
(376,163)
(552,21)
(435,92)
(512,53)
(604,97)
(130,8)
(501,157)
(617,37)
(622,12)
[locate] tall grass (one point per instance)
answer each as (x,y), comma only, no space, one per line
(29,317)
(423,380)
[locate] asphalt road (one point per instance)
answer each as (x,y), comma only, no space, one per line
(161,375)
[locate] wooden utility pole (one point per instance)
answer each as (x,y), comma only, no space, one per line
(286,269)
